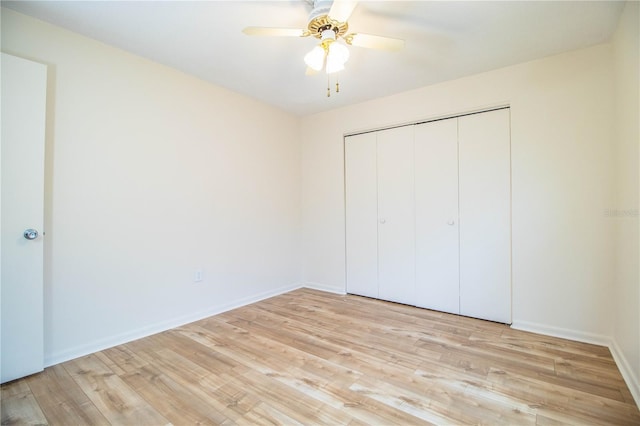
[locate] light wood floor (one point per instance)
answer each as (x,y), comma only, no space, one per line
(309,357)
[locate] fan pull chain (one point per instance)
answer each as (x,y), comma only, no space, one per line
(329,85)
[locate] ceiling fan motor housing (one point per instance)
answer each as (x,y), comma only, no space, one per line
(320,7)
(319,20)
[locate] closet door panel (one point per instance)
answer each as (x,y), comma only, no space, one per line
(485,215)
(361,214)
(436,198)
(396,216)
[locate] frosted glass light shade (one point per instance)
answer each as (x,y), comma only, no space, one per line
(336,58)
(315,58)
(334,66)
(339,52)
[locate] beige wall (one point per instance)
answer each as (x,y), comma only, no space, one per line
(626,49)
(151,174)
(562,175)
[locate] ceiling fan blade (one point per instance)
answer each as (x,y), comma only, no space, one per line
(276,32)
(374,42)
(311,71)
(341,9)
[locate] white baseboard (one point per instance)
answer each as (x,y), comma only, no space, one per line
(564,333)
(109,342)
(633,383)
(324,287)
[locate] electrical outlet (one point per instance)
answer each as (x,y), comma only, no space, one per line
(197,275)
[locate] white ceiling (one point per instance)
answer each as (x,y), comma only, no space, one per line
(444,40)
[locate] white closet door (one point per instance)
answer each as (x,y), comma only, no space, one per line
(396,216)
(436,194)
(362,214)
(485,215)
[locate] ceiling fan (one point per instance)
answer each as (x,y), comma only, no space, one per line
(328,23)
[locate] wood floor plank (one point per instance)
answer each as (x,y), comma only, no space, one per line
(360,335)
(336,377)
(15,387)
(18,406)
(121,359)
(207,387)
(264,414)
(555,400)
(298,377)
(110,394)
(62,399)
(171,399)
(310,357)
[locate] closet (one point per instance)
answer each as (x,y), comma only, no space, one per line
(428,215)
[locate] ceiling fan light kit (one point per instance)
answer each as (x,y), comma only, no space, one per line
(329,53)
(328,22)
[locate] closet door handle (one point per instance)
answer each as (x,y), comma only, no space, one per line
(451,223)
(383,221)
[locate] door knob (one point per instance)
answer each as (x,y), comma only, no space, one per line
(451,222)
(30,234)
(383,221)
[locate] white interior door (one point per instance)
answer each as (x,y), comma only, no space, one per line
(22,207)
(436,187)
(485,215)
(396,215)
(361,214)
